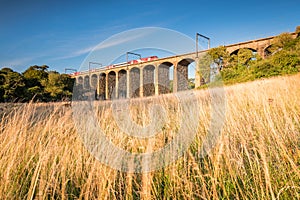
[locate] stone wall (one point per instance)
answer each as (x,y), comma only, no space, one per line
(102,86)
(164,79)
(111,85)
(148,81)
(134,88)
(182,77)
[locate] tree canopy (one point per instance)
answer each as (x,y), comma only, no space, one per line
(219,55)
(35,83)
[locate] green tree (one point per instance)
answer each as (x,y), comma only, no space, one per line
(283,62)
(287,61)
(68,83)
(36,74)
(2,81)
(34,83)
(12,85)
(297,46)
(5,70)
(244,56)
(280,41)
(36,77)
(204,68)
(191,83)
(59,86)
(52,85)
(219,55)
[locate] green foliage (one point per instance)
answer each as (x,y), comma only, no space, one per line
(12,85)
(191,83)
(297,47)
(219,55)
(298,30)
(58,86)
(245,56)
(294,46)
(5,70)
(204,68)
(285,59)
(281,41)
(236,74)
(35,76)
(265,69)
(36,83)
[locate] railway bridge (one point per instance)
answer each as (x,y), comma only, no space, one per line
(153,77)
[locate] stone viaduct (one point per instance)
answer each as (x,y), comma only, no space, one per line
(153,77)
(259,45)
(139,80)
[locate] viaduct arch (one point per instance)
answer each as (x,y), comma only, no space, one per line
(153,77)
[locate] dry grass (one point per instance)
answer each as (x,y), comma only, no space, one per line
(257,156)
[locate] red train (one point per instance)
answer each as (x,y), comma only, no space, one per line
(74,74)
(143,60)
(133,62)
(150,58)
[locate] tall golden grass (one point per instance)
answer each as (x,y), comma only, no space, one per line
(256,157)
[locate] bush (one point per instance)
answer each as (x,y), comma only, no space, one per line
(237,74)
(285,60)
(265,69)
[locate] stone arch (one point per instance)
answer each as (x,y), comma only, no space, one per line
(148,80)
(94,81)
(80,80)
(183,73)
(111,85)
(78,90)
(235,52)
(165,77)
(86,82)
(241,59)
(102,86)
(267,50)
(134,82)
(122,84)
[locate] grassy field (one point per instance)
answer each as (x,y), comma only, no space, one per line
(256,157)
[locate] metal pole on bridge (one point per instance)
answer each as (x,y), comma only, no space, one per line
(132,54)
(197,38)
(128,75)
(197,75)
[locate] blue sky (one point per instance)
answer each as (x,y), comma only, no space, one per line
(60,34)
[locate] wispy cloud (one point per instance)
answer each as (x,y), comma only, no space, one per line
(16,62)
(106,44)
